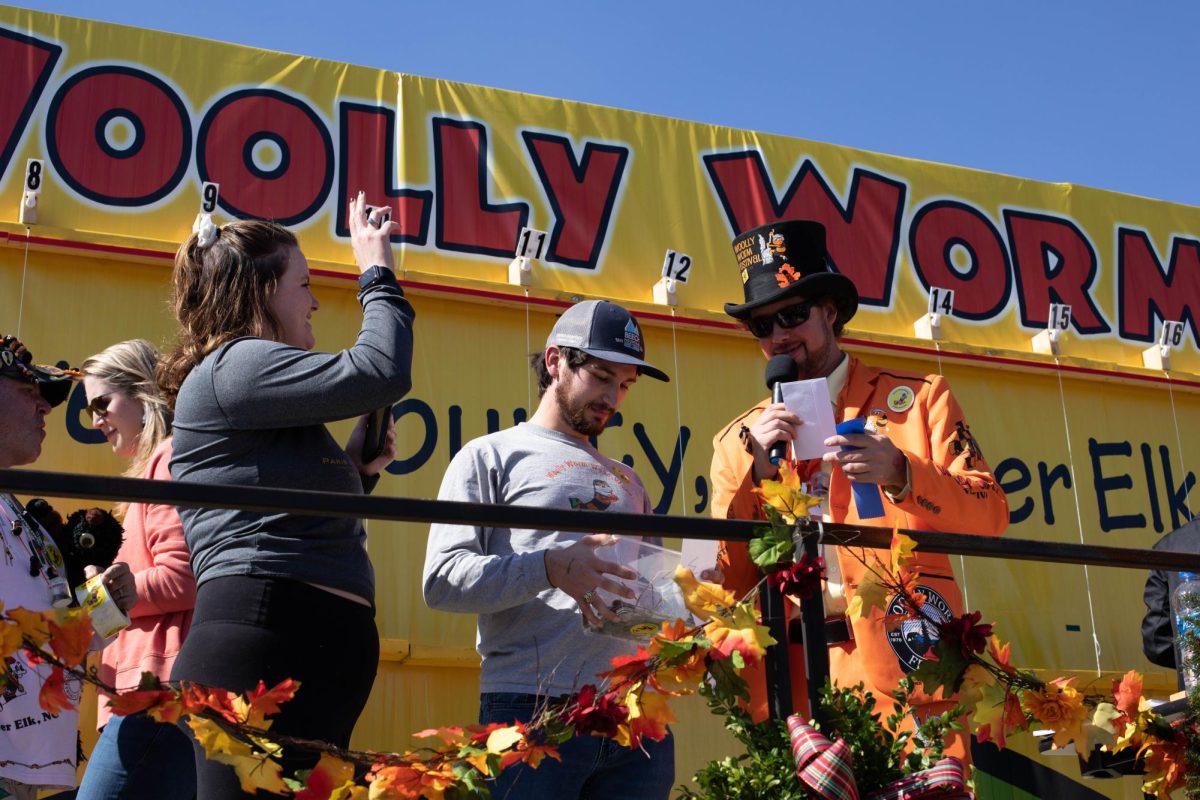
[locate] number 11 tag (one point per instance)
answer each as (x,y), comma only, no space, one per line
(531,243)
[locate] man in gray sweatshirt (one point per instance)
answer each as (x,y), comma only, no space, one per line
(535,591)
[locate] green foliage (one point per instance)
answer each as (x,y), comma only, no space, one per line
(944,668)
(771,545)
(767,769)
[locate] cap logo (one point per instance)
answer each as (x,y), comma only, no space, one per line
(633,336)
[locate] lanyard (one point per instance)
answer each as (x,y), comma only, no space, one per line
(45,558)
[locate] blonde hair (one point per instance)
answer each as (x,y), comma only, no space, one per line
(129,368)
(221,291)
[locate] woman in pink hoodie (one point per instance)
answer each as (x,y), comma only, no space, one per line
(135,756)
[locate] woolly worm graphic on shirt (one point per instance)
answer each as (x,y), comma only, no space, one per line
(603,496)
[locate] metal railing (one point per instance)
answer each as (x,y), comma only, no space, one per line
(405,509)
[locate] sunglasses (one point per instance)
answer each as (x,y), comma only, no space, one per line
(789,317)
(98,405)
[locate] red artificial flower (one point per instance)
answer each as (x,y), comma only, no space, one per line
(596,713)
(967,633)
(800,580)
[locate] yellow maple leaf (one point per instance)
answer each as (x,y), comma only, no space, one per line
(784,495)
(869,594)
(10,638)
(702,598)
(503,739)
(902,550)
(253,764)
(34,625)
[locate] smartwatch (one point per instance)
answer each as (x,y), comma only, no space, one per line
(375,276)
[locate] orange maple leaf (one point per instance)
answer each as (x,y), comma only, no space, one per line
(125,703)
(53,696)
(197,698)
(626,668)
(71,638)
(1000,655)
(261,702)
(1128,693)
(330,774)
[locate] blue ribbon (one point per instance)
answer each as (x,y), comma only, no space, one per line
(867,499)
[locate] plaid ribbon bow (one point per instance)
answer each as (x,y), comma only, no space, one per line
(827,769)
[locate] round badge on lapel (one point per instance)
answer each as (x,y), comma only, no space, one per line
(901,398)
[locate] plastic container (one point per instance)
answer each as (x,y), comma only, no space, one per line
(1185,607)
(658,598)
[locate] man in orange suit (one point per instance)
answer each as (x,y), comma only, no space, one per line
(921,455)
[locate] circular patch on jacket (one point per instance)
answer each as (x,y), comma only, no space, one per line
(911,639)
(644,629)
(901,398)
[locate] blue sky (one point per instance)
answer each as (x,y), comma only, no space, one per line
(1099,93)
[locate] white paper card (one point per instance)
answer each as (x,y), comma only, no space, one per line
(809,400)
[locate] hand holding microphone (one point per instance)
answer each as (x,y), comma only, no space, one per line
(776,426)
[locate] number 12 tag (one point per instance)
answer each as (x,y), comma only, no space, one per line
(676,266)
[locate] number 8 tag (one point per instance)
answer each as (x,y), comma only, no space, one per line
(34,173)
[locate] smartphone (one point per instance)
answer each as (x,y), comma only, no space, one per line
(377,429)
(385,214)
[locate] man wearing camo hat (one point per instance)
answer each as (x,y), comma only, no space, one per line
(37,749)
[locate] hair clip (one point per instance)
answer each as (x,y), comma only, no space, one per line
(206,230)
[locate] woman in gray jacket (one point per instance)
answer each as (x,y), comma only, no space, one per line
(280,595)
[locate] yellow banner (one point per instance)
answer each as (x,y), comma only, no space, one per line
(110,138)
(135,130)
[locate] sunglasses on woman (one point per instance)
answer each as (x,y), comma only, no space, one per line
(98,405)
(789,317)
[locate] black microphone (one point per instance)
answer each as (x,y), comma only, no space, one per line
(781,369)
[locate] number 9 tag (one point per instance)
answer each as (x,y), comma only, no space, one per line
(210,193)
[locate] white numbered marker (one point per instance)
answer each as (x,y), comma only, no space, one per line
(941,301)
(1172,334)
(531,243)
(209,194)
(35,172)
(1060,317)
(676,266)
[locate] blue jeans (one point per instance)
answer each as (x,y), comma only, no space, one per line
(592,767)
(137,758)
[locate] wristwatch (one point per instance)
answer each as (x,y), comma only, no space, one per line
(374,276)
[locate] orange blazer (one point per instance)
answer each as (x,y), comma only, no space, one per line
(953,490)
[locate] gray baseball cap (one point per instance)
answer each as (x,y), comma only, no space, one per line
(604,330)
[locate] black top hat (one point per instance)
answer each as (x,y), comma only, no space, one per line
(17,362)
(785,259)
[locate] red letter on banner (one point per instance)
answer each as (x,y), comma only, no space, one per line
(242,125)
(980,290)
(1146,292)
(582,194)
(26,64)
(1053,262)
(862,237)
(142,165)
(368,146)
(466,221)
